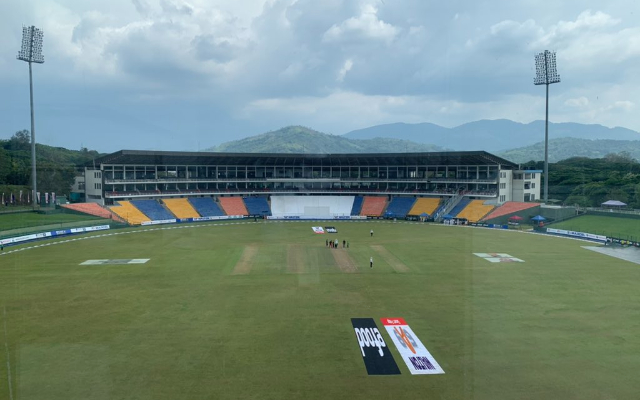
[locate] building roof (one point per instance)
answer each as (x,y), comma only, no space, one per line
(146,157)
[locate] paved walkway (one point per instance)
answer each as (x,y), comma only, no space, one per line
(631,254)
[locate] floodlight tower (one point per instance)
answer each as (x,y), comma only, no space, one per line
(546,74)
(31,52)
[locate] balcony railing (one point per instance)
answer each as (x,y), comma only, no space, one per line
(208,192)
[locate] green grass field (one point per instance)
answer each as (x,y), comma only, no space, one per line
(32,219)
(601,225)
(262,311)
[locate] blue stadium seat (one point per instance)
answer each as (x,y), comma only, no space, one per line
(460,206)
(257,205)
(399,207)
(206,207)
(152,209)
(357,205)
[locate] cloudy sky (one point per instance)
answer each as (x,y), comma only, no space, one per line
(189,74)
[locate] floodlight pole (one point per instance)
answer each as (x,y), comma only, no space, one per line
(546,147)
(33,140)
(31,51)
(546,74)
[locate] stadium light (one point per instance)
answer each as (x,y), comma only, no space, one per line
(546,74)
(31,52)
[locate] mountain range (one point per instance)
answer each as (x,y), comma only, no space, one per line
(491,135)
(512,140)
(564,148)
(298,139)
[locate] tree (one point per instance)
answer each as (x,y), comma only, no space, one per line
(621,157)
(618,194)
(20,140)
(5,165)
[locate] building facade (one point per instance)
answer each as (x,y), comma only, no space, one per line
(128,174)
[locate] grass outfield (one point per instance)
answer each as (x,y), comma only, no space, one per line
(32,219)
(601,225)
(262,311)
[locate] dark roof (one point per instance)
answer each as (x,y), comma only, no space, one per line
(145,157)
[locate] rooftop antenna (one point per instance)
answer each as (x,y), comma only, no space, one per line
(31,52)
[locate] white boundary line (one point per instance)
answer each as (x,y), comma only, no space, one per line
(6,348)
(201,225)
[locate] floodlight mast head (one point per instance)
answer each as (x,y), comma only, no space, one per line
(546,72)
(31,50)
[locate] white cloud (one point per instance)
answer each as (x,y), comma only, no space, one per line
(335,64)
(366,25)
(577,102)
(351,110)
(624,105)
(343,71)
(587,20)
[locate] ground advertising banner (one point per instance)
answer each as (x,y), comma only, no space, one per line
(36,236)
(415,355)
(375,353)
(317,229)
(583,235)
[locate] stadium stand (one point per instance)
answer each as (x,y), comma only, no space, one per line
(311,206)
(400,206)
(257,206)
(475,211)
(129,213)
(181,208)
(233,206)
(206,207)
(459,207)
(425,205)
(373,206)
(92,209)
(357,205)
(152,209)
(510,207)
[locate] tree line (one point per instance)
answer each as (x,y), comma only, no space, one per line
(582,181)
(589,182)
(56,166)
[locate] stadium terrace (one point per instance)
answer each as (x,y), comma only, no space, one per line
(392,183)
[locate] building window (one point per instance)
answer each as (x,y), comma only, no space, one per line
(527,185)
(503,186)
(502,198)
(517,176)
(527,176)
(533,185)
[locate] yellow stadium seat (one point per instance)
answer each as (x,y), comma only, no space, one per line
(475,210)
(425,205)
(181,208)
(129,213)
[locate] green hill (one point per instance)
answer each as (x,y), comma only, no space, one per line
(564,148)
(56,166)
(298,139)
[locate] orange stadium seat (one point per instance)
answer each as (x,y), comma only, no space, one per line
(233,206)
(94,209)
(373,206)
(510,207)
